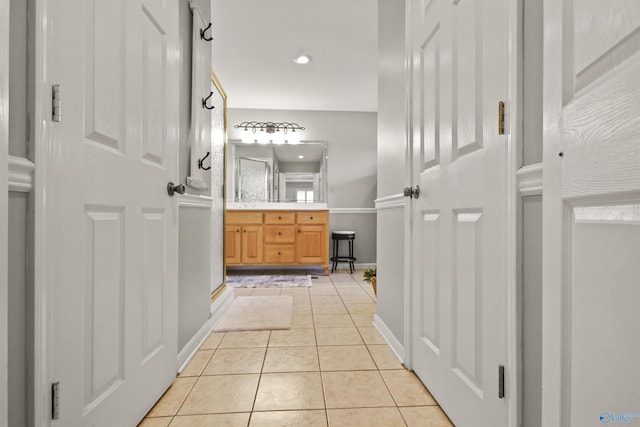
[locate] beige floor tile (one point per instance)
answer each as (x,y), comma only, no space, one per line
(365,417)
(302,321)
(338,336)
(155,422)
(213,341)
(325,299)
(311,418)
(217,420)
(352,291)
(332,321)
(322,290)
(406,388)
(258,292)
(355,389)
(345,358)
(170,402)
(362,319)
(291,359)
(293,338)
(299,390)
(235,361)
(425,416)
(370,335)
(384,357)
(242,292)
(355,308)
(221,393)
(329,309)
(357,299)
(245,339)
(197,363)
(296,292)
(302,308)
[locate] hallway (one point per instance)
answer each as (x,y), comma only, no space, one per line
(332,368)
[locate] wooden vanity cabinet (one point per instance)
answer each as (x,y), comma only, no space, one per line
(277,238)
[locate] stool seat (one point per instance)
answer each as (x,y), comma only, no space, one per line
(336,236)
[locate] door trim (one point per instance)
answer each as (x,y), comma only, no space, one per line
(40,130)
(513,140)
(4,202)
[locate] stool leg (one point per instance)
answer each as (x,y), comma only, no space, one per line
(335,254)
(351,265)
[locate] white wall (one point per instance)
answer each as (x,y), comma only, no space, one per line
(391,166)
(351,167)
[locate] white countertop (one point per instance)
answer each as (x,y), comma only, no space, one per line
(276,206)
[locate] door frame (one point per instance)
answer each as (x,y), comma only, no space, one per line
(513,123)
(41,294)
(4,212)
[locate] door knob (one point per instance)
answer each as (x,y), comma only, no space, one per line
(173,188)
(414,192)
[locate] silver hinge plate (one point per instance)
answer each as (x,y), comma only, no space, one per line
(501,382)
(55,400)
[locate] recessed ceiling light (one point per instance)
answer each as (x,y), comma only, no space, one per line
(301,157)
(302,59)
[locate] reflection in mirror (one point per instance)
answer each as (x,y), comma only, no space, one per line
(277,172)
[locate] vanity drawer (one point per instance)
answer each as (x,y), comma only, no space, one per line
(279,233)
(244,217)
(279,218)
(312,217)
(275,254)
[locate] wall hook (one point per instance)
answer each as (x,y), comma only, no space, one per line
(202,36)
(204,102)
(201,162)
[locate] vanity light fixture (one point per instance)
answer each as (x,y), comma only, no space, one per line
(302,59)
(270,132)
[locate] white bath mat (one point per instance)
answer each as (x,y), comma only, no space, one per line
(257,313)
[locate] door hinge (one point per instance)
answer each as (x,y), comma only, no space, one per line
(55,400)
(501,382)
(56,103)
(501,118)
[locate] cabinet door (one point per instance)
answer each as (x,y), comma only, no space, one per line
(232,244)
(311,244)
(252,244)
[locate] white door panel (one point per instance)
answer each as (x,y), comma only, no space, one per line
(592,211)
(111,226)
(459,63)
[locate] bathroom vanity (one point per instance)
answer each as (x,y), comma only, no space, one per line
(277,237)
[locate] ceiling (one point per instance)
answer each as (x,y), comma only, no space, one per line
(255,42)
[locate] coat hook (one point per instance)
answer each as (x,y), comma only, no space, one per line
(202,36)
(201,162)
(204,102)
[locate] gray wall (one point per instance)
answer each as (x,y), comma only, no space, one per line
(391,164)
(532,311)
(352,165)
(532,219)
(19,281)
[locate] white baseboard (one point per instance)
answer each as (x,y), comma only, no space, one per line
(218,307)
(395,345)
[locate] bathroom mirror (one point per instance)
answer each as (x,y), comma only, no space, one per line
(277,173)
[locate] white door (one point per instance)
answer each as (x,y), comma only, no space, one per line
(459,226)
(591,195)
(110,226)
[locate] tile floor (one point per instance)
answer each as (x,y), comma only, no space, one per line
(331,369)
